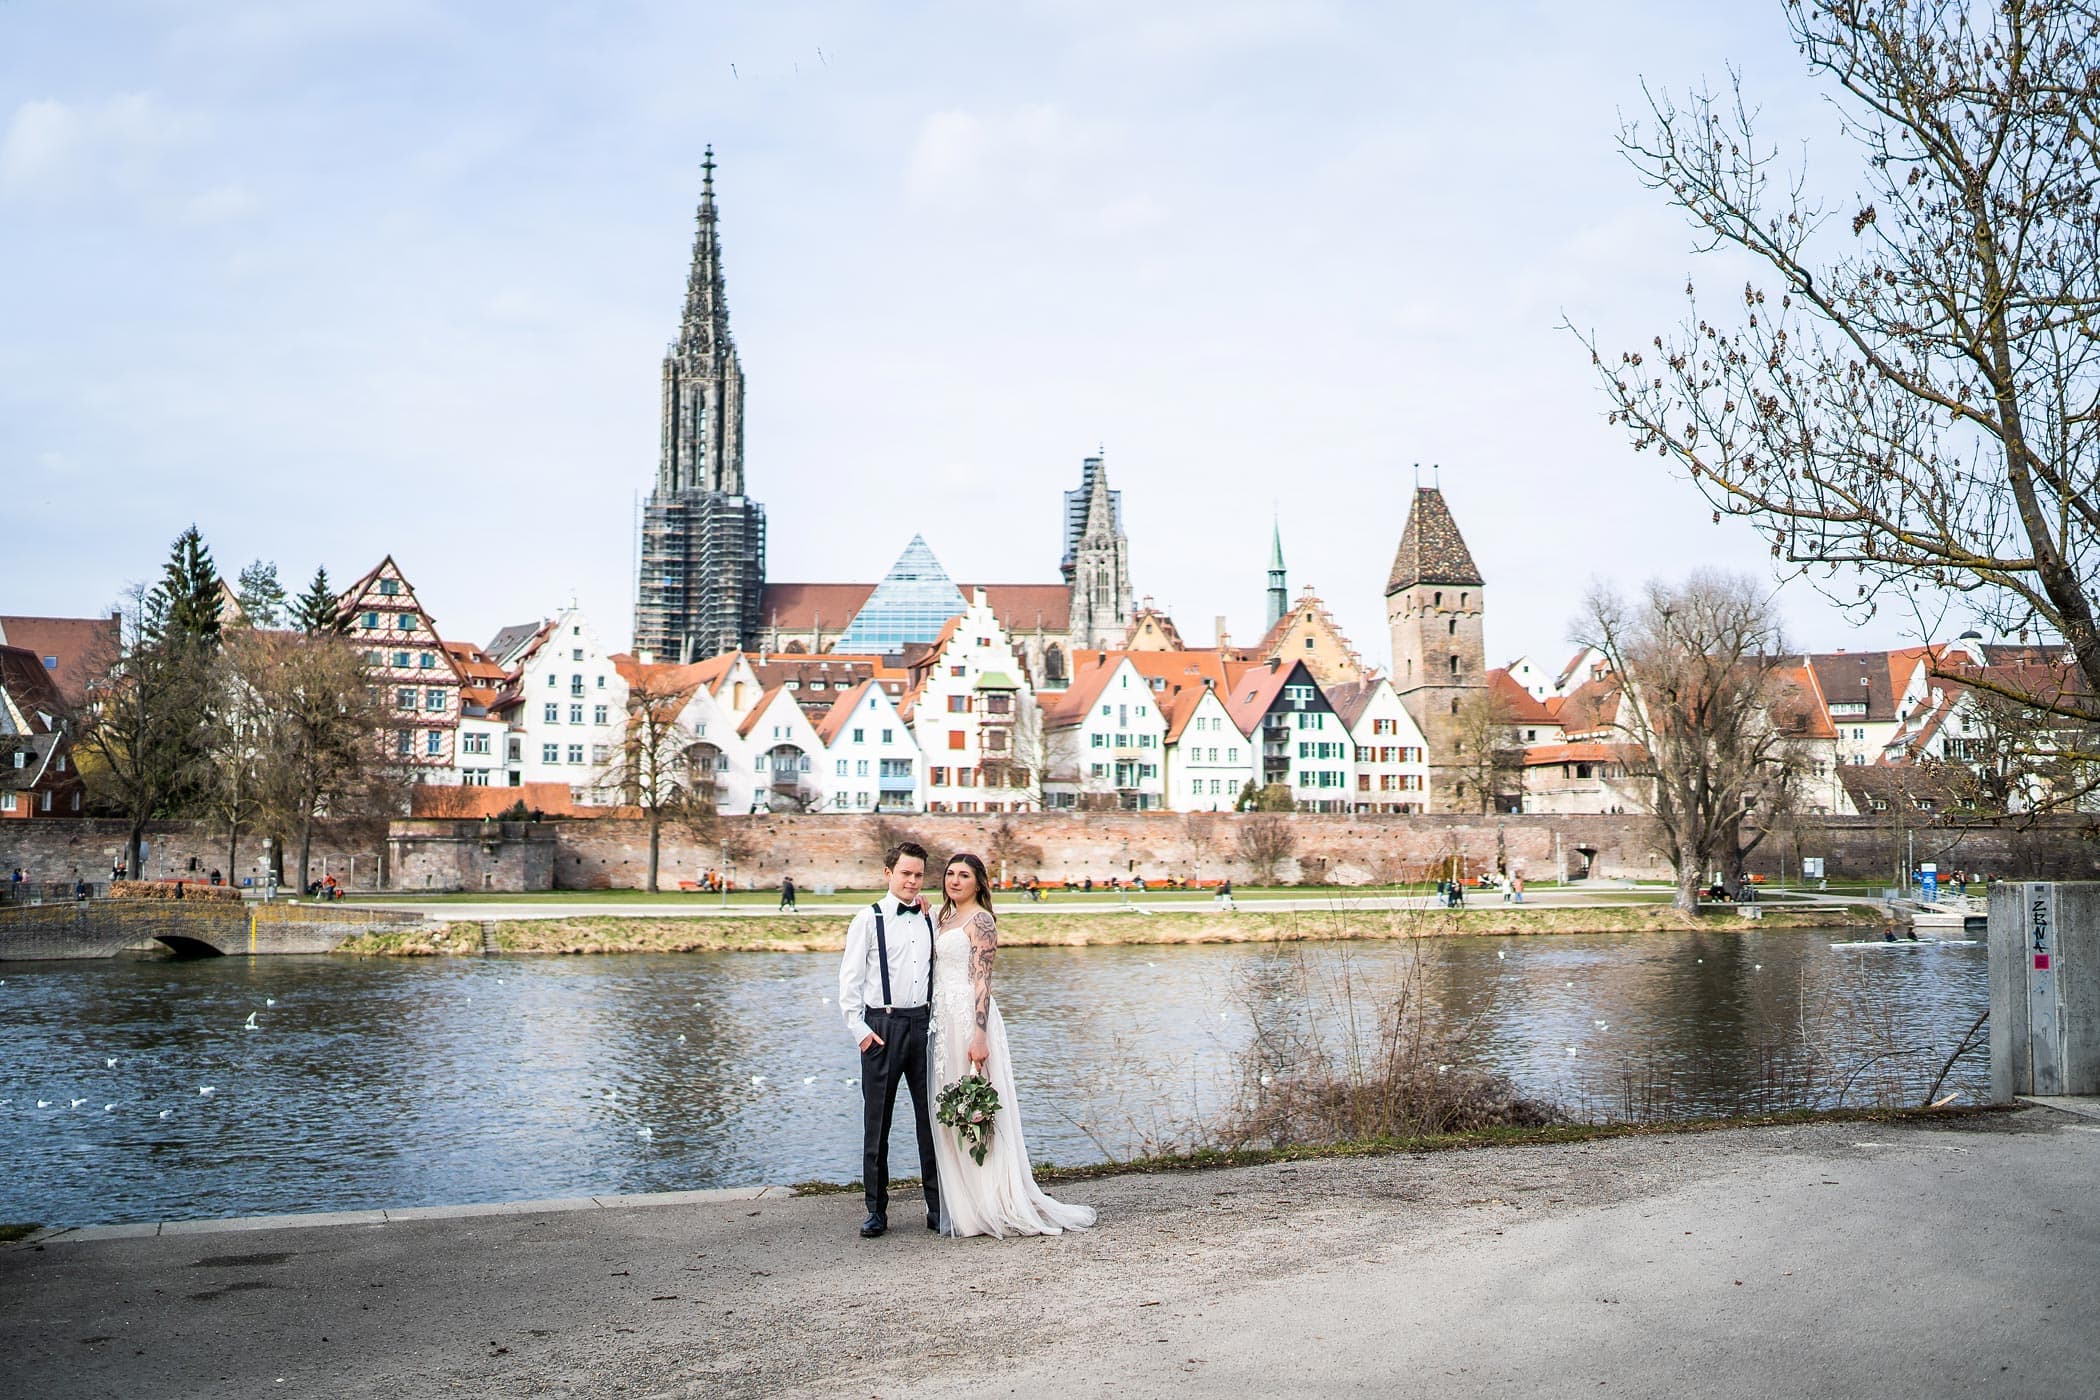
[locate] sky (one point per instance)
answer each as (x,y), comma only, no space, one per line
(334,281)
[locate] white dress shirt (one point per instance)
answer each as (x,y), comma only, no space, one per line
(909,936)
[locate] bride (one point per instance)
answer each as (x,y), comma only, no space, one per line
(1000,1197)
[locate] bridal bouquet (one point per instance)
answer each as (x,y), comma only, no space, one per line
(969,1105)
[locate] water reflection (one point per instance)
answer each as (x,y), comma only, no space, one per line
(377,1082)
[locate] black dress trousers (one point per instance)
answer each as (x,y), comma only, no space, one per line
(902,1057)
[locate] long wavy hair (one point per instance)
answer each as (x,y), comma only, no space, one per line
(984,883)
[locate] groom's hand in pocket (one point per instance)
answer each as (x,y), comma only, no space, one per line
(870,1042)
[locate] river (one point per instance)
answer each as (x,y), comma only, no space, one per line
(397,1082)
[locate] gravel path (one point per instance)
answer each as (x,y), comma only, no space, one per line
(1841,1259)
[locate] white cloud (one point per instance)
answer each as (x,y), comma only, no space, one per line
(53,148)
(222,204)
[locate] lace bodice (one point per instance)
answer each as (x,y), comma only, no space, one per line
(951,960)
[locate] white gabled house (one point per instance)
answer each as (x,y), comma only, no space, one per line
(968,697)
(1209,761)
(1107,734)
(871,760)
(1391,756)
(784,749)
(566,708)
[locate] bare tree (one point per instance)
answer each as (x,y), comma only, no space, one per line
(1264,841)
(652,768)
(235,788)
(1487,750)
(322,742)
(1010,850)
(1905,402)
(1701,699)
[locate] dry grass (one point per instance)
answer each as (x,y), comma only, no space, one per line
(826,933)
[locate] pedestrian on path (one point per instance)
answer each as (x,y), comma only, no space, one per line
(787,892)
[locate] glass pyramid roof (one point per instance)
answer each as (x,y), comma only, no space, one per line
(908,608)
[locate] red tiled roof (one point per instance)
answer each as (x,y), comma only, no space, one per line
(841,710)
(549,799)
(81,646)
(1590,751)
(1254,690)
(1524,707)
(809,607)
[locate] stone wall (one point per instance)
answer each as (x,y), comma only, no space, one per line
(82,849)
(102,928)
(1874,848)
(491,856)
(846,850)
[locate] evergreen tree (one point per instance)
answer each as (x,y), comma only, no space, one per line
(186,605)
(261,596)
(317,611)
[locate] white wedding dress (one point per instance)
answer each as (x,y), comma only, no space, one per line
(1000,1197)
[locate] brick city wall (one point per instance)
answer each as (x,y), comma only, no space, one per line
(101,928)
(846,850)
(82,849)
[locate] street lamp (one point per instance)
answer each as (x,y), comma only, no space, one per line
(724,867)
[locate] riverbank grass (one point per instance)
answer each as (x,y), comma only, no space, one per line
(827,933)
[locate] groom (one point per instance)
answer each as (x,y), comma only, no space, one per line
(886,992)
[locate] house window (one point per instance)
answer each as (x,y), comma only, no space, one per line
(7,802)
(955,738)
(860,768)
(599,714)
(966,777)
(426,660)
(576,655)
(575,753)
(404,743)
(404,699)
(473,743)
(860,736)
(955,670)
(552,679)
(937,777)
(550,753)
(576,685)
(576,714)
(401,658)
(958,704)
(889,736)
(601,682)
(433,699)
(390,587)
(552,713)
(1100,741)
(371,620)
(434,742)
(838,768)
(405,621)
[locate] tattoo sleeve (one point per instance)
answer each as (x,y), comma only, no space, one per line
(984,945)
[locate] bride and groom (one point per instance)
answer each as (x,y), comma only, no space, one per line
(916,989)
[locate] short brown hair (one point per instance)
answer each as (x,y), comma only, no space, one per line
(902,849)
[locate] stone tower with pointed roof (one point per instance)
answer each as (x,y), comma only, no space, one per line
(1098,567)
(703,544)
(1434,603)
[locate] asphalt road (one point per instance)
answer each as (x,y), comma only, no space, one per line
(1837,1259)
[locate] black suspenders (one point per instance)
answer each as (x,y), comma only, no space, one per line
(882,958)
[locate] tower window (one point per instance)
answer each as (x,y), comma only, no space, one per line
(1436,599)
(1462,599)
(1454,665)
(1451,628)
(1454,705)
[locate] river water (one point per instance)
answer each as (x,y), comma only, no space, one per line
(399,1082)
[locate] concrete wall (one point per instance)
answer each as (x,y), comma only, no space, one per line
(1870,848)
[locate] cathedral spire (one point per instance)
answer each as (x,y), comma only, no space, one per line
(1099,570)
(1279,587)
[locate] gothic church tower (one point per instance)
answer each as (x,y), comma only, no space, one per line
(1434,604)
(703,545)
(1099,566)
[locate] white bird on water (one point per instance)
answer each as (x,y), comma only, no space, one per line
(109,1108)
(645,1133)
(77,1103)
(681,1040)
(206,1090)
(758,1081)
(1571,1050)
(111,1062)
(250,1024)
(43,1103)
(849,1083)
(1499,955)
(809,1079)
(269,1001)
(167,1113)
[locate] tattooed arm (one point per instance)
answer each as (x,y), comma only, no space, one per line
(984,946)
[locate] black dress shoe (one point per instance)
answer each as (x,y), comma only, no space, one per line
(874,1225)
(933,1224)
